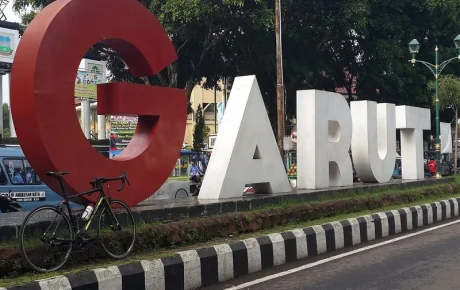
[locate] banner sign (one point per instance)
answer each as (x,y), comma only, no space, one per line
(446,138)
(122,130)
(26,196)
(220,113)
(85,84)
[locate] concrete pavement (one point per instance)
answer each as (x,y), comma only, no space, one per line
(430,260)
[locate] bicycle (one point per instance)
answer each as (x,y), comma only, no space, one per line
(63,246)
(181,193)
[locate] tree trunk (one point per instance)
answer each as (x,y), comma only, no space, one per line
(172,75)
(350,94)
(455,142)
(189,88)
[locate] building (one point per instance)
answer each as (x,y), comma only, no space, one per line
(93,119)
(207,98)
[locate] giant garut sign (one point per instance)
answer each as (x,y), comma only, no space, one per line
(246,152)
(42,102)
(42,95)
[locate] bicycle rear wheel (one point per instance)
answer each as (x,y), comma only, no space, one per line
(181,193)
(45,239)
(117,229)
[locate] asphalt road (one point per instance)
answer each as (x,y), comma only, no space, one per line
(430,260)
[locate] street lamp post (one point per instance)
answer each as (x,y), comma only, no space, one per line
(436,69)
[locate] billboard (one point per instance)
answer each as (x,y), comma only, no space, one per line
(85,84)
(122,130)
(9,40)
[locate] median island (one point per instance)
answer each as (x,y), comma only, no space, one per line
(162,239)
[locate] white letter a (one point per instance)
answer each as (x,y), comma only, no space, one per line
(245,151)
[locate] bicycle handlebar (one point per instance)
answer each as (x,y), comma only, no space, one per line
(123,177)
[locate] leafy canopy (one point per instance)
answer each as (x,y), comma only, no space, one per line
(200,132)
(359,46)
(448,92)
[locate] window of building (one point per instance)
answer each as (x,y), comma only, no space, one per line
(209,108)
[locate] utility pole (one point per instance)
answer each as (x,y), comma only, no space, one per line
(279,78)
(215,110)
(225,93)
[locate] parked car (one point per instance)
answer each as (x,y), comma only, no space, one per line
(19,181)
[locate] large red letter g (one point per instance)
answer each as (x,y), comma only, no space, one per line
(42,95)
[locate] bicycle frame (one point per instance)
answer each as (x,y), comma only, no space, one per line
(100,201)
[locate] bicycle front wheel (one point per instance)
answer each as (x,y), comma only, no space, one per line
(117,230)
(45,239)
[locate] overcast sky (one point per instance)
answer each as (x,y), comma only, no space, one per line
(10,16)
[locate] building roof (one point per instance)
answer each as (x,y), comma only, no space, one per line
(9,25)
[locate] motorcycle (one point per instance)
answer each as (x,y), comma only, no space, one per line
(196,192)
(7,204)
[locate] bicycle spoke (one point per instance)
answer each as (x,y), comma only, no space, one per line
(117,232)
(43,251)
(50,226)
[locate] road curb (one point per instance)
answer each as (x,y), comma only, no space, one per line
(203,267)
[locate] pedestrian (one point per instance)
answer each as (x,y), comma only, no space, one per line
(205,161)
(432,166)
(195,172)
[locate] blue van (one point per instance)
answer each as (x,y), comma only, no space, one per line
(19,181)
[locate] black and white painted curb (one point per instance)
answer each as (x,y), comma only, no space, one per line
(198,268)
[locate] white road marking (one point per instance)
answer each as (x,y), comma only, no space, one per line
(320,262)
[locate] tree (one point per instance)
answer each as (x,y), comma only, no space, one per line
(6,120)
(449,98)
(385,74)
(6,133)
(208,37)
(6,116)
(200,132)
